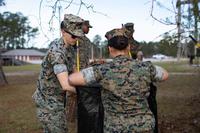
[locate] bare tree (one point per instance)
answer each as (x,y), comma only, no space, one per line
(181,18)
(3,80)
(56,8)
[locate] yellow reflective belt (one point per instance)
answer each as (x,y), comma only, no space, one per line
(129,53)
(77,57)
(198,45)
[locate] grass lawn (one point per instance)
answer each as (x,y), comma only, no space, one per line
(21,68)
(178,101)
(17,111)
(177,66)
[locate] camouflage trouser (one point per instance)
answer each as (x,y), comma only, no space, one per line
(137,124)
(52,121)
(153,104)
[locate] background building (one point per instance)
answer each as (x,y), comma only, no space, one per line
(22,56)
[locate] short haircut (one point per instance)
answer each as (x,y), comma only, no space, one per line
(62,25)
(118,42)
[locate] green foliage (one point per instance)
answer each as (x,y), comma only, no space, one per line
(97,47)
(149,49)
(166,46)
(97,40)
(105,51)
(195,9)
(15,30)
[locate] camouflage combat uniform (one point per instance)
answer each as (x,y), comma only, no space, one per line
(125,90)
(85,51)
(90,107)
(49,96)
(134,48)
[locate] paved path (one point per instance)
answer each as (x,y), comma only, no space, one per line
(21,73)
(183,73)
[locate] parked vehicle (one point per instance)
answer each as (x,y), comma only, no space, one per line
(159,56)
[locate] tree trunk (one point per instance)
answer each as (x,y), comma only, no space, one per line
(3,80)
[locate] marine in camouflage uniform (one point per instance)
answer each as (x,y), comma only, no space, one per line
(125,91)
(50,95)
(85,46)
(90,107)
(124,95)
(191,51)
(134,51)
(85,51)
(134,45)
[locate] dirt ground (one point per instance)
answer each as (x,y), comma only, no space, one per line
(178,104)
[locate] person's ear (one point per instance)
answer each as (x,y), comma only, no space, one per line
(110,49)
(62,31)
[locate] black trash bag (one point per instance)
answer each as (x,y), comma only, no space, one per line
(153,104)
(90,111)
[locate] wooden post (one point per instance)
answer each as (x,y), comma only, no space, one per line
(3,80)
(178,5)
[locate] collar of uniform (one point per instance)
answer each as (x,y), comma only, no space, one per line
(62,43)
(121,56)
(82,38)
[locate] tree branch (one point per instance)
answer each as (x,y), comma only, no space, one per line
(40,23)
(155,18)
(164,33)
(57,4)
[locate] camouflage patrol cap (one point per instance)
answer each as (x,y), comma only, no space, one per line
(73,24)
(117,38)
(130,29)
(116,32)
(129,26)
(86,22)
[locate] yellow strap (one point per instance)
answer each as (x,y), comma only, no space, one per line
(198,45)
(129,53)
(77,57)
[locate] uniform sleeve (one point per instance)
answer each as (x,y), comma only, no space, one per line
(91,74)
(152,70)
(159,73)
(57,61)
(156,72)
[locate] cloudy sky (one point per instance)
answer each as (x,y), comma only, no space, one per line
(104,15)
